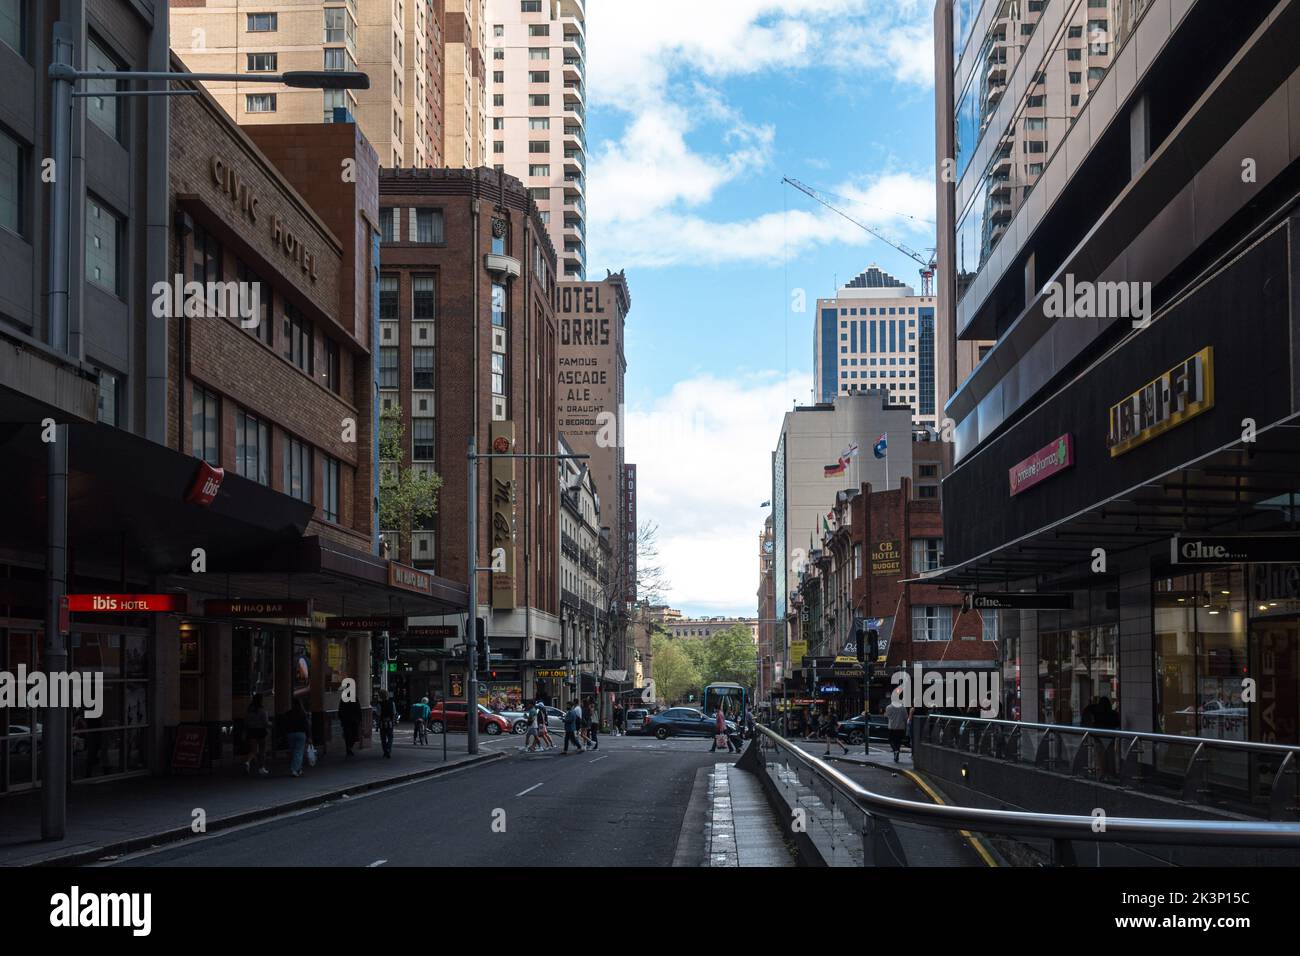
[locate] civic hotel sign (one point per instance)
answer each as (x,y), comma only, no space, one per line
(1181,393)
(237,189)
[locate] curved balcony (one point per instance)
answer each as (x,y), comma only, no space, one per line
(501,266)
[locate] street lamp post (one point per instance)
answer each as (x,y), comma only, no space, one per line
(64,77)
(472,457)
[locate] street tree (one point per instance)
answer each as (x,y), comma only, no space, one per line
(675,673)
(407,497)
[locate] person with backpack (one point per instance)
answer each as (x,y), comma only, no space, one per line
(572,721)
(256,722)
(420,717)
(387,721)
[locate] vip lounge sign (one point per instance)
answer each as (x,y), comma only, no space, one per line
(1042,464)
(1235,549)
(1181,393)
(502,530)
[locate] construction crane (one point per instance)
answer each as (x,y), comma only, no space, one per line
(926,262)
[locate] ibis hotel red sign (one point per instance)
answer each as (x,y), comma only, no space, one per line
(1042,464)
(206,484)
(127,603)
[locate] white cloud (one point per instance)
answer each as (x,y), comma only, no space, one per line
(703,457)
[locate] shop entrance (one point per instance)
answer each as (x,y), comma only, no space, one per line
(20,740)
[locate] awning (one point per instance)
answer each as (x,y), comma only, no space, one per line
(126,503)
(1241,487)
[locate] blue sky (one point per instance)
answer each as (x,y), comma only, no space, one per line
(694,118)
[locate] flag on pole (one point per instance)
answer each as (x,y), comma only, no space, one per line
(830,471)
(850,451)
(881,446)
(828,521)
(766,504)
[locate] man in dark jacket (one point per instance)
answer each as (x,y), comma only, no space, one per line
(350,718)
(387,721)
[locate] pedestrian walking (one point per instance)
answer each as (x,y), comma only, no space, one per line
(256,722)
(593,727)
(298,730)
(618,720)
(543,726)
(572,722)
(828,732)
(584,725)
(387,721)
(350,719)
(530,732)
(896,717)
(419,720)
(720,732)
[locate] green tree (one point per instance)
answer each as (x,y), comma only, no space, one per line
(674,673)
(406,496)
(729,655)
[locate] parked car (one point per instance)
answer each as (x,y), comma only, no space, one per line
(519,719)
(453,716)
(877,728)
(683,722)
(634,722)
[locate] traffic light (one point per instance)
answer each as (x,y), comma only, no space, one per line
(394,647)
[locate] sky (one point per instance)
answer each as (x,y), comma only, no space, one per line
(697,109)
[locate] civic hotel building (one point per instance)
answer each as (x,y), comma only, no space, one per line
(876,335)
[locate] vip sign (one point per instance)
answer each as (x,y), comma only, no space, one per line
(1181,393)
(502,530)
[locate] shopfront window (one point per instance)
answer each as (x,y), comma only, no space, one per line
(1078,662)
(113,742)
(20,729)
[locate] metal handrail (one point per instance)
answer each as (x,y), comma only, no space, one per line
(1053,826)
(1125,734)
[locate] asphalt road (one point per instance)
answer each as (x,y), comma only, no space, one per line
(621,805)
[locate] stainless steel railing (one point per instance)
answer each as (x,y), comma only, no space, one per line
(855,826)
(1254,777)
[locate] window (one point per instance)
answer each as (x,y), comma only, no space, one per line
(927,491)
(388,297)
(929,471)
(259,103)
(104,111)
(206,418)
(539,99)
(297,469)
(13,185)
(498,76)
(388,372)
(539,122)
(498,29)
(539,146)
(498,99)
(498,54)
(338,58)
(422,298)
(498,122)
(539,169)
(13,25)
(530,6)
(498,304)
(250,280)
(262,23)
(336,24)
(539,29)
(498,146)
(926,553)
(931,622)
(333,366)
(989,619)
(539,76)
(334,99)
(428,225)
(298,340)
(539,53)
(262,62)
(498,374)
(103,236)
(109,398)
(422,447)
(422,367)
(387,225)
(252,447)
(330,489)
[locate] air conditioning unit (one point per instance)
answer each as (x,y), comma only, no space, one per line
(422,404)
(498,340)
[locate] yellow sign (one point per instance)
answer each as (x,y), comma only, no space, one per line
(887,558)
(798,651)
(1181,393)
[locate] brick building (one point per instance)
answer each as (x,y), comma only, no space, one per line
(468,347)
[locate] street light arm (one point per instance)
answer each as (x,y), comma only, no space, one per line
(298,79)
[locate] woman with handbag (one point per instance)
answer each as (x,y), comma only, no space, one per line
(720,736)
(298,730)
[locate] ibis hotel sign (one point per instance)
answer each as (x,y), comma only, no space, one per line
(1181,393)
(1042,464)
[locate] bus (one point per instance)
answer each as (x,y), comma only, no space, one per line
(730,695)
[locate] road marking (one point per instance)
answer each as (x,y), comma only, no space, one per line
(370,866)
(529,790)
(974,840)
(602,757)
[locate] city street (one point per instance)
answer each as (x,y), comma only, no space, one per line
(620,805)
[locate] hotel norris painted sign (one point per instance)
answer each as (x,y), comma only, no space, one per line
(1181,393)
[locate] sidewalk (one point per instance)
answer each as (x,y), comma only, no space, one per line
(121,816)
(880,756)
